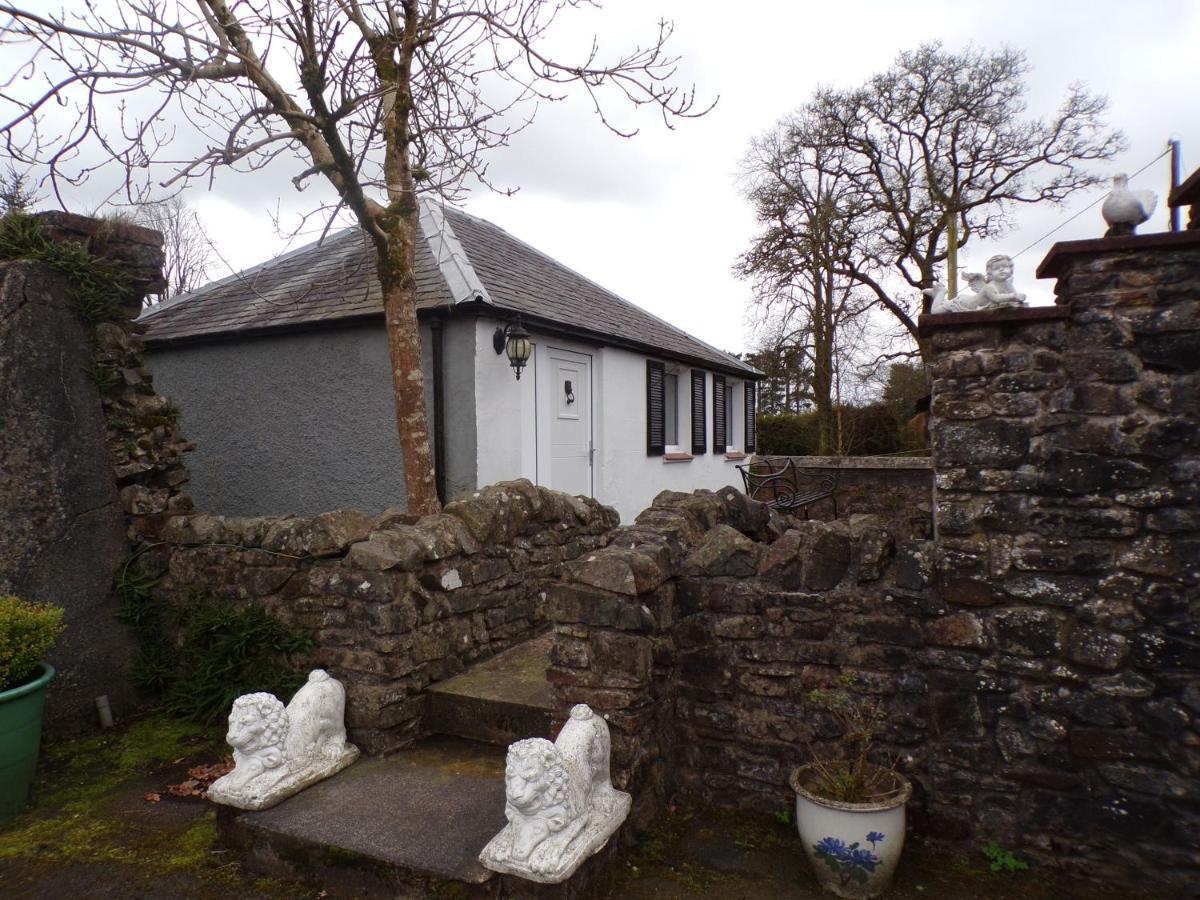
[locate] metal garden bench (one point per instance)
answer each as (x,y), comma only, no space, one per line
(782,486)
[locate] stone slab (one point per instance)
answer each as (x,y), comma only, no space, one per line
(499,700)
(421,815)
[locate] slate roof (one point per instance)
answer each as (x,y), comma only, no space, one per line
(335,280)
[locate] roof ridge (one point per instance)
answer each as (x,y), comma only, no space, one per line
(560,264)
(449,255)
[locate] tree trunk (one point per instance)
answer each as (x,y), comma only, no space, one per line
(408,380)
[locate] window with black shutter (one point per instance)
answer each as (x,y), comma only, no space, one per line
(719,414)
(751,408)
(699,417)
(655,417)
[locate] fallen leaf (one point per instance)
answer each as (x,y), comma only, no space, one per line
(153,797)
(199,778)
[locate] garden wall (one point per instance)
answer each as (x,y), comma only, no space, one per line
(1039,663)
(394,603)
(898,490)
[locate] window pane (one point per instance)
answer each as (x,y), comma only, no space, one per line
(671,408)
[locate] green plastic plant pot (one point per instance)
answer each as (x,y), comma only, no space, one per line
(20,737)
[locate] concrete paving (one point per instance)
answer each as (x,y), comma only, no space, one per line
(426,811)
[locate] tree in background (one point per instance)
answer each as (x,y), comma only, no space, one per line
(16,196)
(785,389)
(808,228)
(187,251)
(381,98)
(940,136)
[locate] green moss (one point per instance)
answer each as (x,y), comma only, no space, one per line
(194,846)
(98,289)
(156,740)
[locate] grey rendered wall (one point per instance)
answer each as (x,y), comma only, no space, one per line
(297,423)
(458,368)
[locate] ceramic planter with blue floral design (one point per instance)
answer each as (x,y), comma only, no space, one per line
(853,847)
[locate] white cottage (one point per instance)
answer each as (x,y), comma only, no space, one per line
(281,373)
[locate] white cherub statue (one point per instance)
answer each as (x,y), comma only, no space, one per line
(559,801)
(995,291)
(277,750)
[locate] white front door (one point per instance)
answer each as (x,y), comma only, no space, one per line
(570,411)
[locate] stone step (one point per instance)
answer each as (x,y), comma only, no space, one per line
(410,825)
(499,700)
(414,821)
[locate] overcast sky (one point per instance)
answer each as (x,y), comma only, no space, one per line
(658,219)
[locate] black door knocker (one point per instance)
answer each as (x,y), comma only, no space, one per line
(570,394)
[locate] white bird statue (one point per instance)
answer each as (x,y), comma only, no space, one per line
(1124,209)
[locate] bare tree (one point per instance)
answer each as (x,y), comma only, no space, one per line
(187,250)
(381,98)
(943,136)
(808,222)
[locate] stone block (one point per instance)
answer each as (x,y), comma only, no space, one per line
(916,565)
(998,443)
(1050,589)
(621,571)
(1097,648)
(1093,398)
(1065,472)
(1160,555)
(956,630)
(723,551)
(968,592)
(567,604)
(1026,632)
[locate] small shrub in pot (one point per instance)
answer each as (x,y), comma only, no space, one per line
(28,631)
(850,810)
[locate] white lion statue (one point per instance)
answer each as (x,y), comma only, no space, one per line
(559,801)
(277,750)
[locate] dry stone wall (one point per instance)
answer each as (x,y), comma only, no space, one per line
(394,603)
(1039,661)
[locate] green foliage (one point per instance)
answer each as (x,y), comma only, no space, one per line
(1002,860)
(870,430)
(783,817)
(27,633)
(226,651)
(200,655)
(15,196)
(97,288)
(788,434)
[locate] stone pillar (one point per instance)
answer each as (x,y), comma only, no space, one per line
(62,526)
(1066,448)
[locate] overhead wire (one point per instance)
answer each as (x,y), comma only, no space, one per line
(1067,222)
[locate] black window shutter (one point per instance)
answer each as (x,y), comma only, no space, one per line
(655,405)
(718,413)
(699,418)
(751,391)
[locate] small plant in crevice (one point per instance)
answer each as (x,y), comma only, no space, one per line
(98,289)
(1002,860)
(104,377)
(200,654)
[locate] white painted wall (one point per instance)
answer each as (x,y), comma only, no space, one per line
(629,479)
(513,439)
(505,420)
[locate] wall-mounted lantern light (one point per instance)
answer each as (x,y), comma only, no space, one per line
(513,339)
